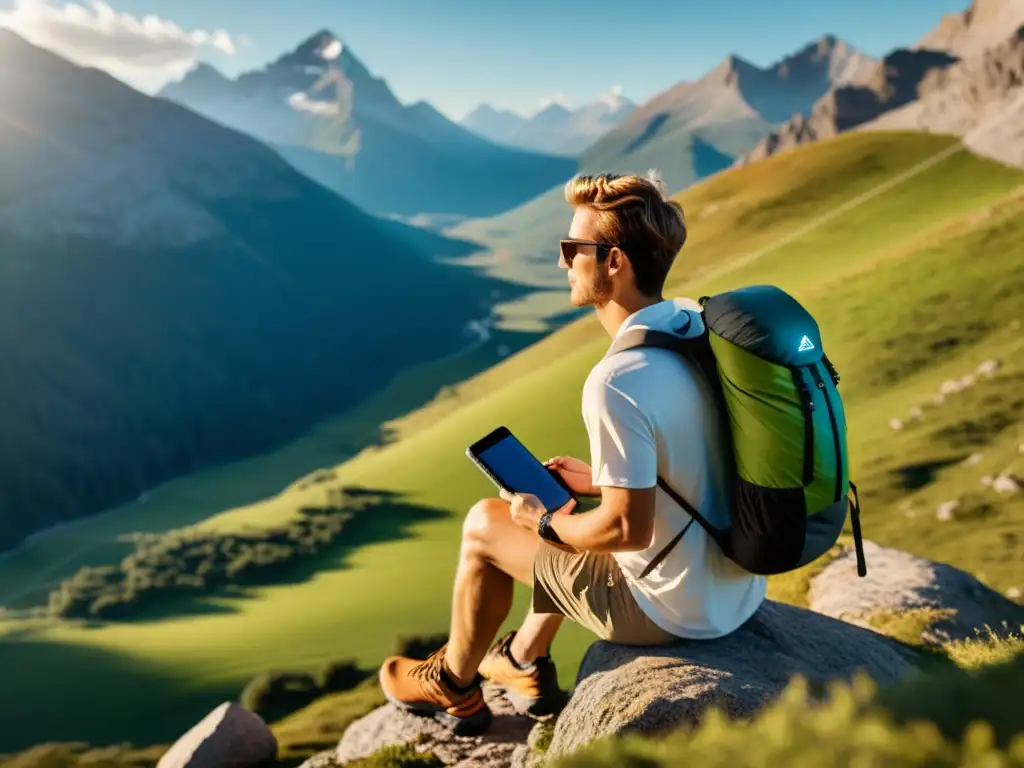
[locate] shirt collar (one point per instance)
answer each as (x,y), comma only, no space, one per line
(650,314)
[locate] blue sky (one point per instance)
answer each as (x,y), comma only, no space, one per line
(515,54)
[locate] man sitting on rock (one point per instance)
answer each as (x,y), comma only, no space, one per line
(620,569)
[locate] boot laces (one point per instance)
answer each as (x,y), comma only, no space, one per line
(431,667)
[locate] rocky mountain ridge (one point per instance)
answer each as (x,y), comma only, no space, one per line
(957,76)
(324,111)
(555,128)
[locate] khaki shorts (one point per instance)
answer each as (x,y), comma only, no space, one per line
(590,589)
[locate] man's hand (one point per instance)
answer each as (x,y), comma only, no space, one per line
(526,509)
(575,473)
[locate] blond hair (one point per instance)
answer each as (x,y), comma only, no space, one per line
(635,214)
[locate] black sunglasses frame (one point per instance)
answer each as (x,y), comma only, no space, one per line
(568,249)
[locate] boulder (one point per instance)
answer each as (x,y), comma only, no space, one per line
(655,689)
(898,582)
(388,725)
(229,737)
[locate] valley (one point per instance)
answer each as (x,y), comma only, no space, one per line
(190,660)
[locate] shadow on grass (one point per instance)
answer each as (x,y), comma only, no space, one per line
(913,477)
(70,692)
(379,521)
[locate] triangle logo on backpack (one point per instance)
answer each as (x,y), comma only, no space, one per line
(805,345)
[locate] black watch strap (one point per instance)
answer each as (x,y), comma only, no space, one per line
(545,530)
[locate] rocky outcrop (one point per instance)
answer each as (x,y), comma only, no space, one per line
(981,98)
(389,726)
(628,689)
(984,24)
(229,737)
(891,83)
(651,690)
(955,604)
(961,78)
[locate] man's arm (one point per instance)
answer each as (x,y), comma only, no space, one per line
(624,458)
(622,522)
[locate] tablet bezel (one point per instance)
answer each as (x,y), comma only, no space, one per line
(496,436)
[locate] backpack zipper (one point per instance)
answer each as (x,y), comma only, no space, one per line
(820,381)
(807,401)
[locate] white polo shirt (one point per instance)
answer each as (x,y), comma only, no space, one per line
(649,412)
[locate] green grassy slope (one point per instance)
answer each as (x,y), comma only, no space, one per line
(941,250)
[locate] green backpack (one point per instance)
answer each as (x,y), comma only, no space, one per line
(780,403)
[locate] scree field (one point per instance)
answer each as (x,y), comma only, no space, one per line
(915,286)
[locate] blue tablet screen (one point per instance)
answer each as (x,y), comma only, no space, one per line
(520,471)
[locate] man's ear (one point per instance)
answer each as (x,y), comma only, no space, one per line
(616,260)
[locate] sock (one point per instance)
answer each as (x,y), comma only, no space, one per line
(449,680)
(516,664)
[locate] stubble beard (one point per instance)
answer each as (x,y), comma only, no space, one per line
(597,295)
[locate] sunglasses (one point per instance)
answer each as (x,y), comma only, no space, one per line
(572,248)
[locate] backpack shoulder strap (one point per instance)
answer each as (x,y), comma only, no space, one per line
(692,348)
(644,337)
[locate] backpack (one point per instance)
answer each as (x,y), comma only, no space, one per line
(779,402)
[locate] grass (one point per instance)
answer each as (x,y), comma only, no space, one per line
(940,247)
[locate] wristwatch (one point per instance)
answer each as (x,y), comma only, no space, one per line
(545,531)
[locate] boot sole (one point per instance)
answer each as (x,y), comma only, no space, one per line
(474,725)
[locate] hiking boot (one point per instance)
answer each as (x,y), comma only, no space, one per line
(531,689)
(425,688)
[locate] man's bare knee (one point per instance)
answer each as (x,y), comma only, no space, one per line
(482,522)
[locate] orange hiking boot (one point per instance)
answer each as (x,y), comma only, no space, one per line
(531,689)
(426,688)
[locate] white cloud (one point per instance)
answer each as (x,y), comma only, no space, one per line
(123,44)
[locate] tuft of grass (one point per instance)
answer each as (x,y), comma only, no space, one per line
(320,726)
(400,756)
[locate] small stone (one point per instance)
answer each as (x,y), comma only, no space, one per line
(916,412)
(896,424)
(967,381)
(946,510)
(986,480)
(973,459)
(1013,593)
(939,399)
(1008,484)
(989,367)
(950,386)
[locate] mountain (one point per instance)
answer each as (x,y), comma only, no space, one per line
(327,114)
(688,132)
(176,295)
(555,128)
(985,24)
(980,98)
(893,87)
(491,123)
(891,83)
(693,129)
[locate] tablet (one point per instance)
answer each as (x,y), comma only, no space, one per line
(511,467)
